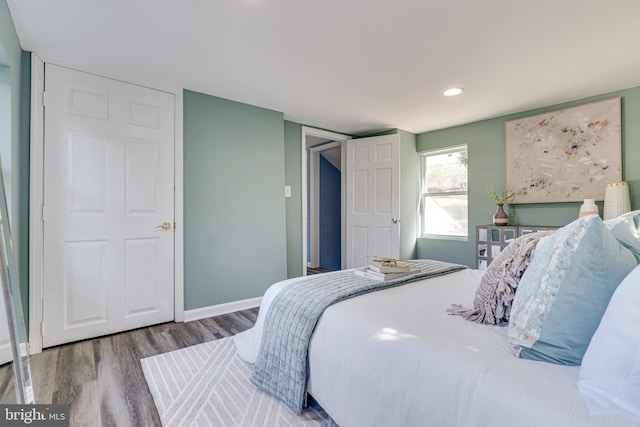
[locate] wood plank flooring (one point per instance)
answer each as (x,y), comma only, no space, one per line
(102,378)
(318,270)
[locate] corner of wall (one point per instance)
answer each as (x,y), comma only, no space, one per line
(293,177)
(409,197)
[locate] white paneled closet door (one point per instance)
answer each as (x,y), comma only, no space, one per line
(108,206)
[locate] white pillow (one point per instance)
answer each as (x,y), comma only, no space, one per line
(610,374)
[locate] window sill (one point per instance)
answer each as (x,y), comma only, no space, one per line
(441,237)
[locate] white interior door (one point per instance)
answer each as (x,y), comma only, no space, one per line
(373,199)
(108,206)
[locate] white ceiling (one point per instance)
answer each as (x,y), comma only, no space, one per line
(352,66)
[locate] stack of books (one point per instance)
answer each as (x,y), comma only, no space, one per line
(383,269)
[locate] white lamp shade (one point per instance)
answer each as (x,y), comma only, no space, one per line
(616,199)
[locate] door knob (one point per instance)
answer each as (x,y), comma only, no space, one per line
(395,220)
(165,225)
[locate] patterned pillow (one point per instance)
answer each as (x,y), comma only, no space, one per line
(565,291)
(492,303)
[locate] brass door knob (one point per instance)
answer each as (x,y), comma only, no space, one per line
(165,225)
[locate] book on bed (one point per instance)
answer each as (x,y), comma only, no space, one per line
(383,267)
(381,277)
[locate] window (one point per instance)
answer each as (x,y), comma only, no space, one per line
(444,193)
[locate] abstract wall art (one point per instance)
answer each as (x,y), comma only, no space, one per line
(566,155)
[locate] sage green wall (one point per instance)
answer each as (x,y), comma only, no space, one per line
(234,208)
(293,177)
(409,174)
(485,140)
(19,79)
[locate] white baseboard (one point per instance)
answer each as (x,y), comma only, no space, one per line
(218,309)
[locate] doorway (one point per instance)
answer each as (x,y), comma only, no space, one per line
(370,197)
(325,223)
(323,196)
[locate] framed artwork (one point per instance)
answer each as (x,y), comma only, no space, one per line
(566,155)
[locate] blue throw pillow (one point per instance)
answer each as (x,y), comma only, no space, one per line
(626,229)
(565,291)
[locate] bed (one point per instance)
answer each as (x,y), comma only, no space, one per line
(395,357)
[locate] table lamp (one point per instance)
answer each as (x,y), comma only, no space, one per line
(616,199)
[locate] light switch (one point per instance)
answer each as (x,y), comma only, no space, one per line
(287,191)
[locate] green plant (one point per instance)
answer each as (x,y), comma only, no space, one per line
(501,198)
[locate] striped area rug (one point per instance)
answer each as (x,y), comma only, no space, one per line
(208,385)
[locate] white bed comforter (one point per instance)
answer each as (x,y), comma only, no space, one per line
(395,358)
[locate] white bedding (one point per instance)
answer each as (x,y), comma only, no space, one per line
(394,357)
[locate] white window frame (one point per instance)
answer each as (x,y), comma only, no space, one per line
(423,193)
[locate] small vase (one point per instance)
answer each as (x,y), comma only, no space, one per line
(500,217)
(589,207)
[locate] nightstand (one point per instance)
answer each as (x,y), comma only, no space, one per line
(492,239)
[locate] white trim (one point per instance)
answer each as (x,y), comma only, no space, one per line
(219,309)
(343,212)
(444,237)
(178,260)
(309,131)
(422,155)
(314,209)
(36,193)
(36,242)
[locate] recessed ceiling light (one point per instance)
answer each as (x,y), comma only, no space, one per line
(453,91)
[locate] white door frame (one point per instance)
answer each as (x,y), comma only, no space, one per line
(36,198)
(339,138)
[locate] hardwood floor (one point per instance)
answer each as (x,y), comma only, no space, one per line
(102,378)
(317,270)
